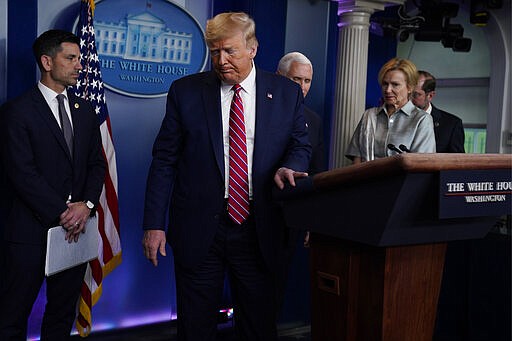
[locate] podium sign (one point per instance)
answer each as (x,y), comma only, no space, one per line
(470,193)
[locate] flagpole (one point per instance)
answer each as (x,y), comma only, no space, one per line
(90,87)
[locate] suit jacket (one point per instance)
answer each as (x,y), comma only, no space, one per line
(39,169)
(188,162)
(448,131)
(316,139)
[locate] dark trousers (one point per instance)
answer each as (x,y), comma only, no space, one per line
(287,250)
(23,275)
(234,252)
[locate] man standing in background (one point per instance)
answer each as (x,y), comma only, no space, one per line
(51,154)
(452,296)
(298,68)
(448,128)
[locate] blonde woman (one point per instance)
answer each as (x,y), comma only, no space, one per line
(397,122)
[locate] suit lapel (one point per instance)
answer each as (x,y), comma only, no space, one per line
(436,116)
(42,108)
(76,115)
(264,98)
(213,112)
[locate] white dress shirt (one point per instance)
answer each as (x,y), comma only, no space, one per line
(51,98)
(248,94)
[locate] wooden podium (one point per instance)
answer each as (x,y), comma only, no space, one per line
(378,237)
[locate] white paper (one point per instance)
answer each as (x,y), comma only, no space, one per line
(62,255)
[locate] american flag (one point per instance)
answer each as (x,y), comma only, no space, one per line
(90,87)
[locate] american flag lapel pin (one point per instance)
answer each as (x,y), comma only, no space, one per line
(269,95)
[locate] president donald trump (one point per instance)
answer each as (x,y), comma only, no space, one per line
(228,136)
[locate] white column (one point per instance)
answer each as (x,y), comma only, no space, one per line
(351,70)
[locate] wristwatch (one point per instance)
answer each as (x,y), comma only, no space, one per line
(89,204)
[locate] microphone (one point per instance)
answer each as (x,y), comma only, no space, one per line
(394,148)
(404,148)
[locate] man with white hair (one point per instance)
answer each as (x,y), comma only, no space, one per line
(298,68)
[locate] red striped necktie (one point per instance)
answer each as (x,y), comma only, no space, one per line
(238,194)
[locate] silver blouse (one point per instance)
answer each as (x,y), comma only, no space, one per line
(409,126)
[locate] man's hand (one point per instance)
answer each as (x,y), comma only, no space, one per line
(73,220)
(286,174)
(154,241)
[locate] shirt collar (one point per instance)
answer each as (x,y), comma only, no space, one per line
(407,109)
(48,93)
(429,109)
(248,84)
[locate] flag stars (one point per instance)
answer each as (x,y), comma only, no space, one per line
(90,86)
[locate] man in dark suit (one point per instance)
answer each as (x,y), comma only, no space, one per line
(53,180)
(298,68)
(448,128)
(214,171)
(450,322)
